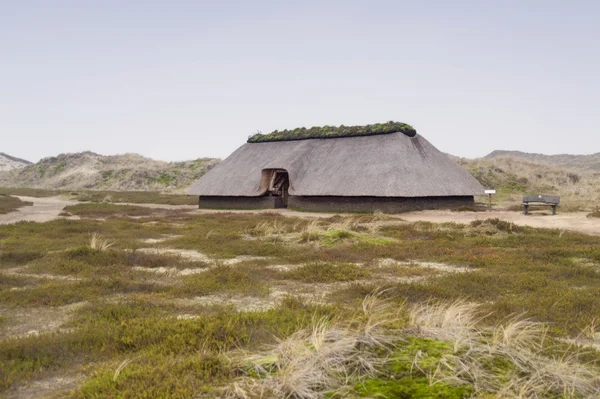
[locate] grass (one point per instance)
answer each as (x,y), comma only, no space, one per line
(513,178)
(136,333)
(433,350)
(594,214)
(11,204)
(169,376)
(148,333)
(100,243)
(99,210)
(472,208)
(333,131)
(224,279)
(86,261)
(29,192)
(60,293)
(326,272)
(106,196)
(137,197)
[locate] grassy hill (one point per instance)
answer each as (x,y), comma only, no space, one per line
(585,162)
(576,178)
(87,170)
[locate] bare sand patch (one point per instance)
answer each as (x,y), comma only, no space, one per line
(238,302)
(242,258)
(18,271)
(282,268)
(42,210)
(573,221)
(56,386)
(442,267)
(192,255)
(159,240)
(170,271)
(34,321)
(184,253)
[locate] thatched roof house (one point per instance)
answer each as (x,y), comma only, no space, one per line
(386,166)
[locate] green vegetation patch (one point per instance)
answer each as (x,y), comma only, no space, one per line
(406,376)
(165,179)
(159,376)
(98,210)
(224,279)
(326,272)
(59,293)
(152,339)
(29,192)
(18,257)
(85,261)
(11,204)
(328,132)
(134,197)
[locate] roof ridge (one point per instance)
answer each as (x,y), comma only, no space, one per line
(330,132)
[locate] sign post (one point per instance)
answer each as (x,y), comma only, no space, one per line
(490,193)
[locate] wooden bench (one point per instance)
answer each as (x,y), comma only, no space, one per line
(541,200)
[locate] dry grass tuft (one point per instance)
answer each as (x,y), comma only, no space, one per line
(100,243)
(311,232)
(519,334)
(322,358)
(345,224)
(506,361)
(591,330)
(446,321)
(267,228)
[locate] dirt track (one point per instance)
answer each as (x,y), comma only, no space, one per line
(45,209)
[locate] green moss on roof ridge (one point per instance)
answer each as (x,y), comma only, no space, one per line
(328,132)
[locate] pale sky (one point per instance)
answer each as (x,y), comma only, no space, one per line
(176,80)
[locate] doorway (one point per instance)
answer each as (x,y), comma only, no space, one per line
(278,185)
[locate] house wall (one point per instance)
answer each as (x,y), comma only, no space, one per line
(370,204)
(340,204)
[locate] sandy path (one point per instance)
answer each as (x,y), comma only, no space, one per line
(576,221)
(43,210)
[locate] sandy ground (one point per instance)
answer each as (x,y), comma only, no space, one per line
(576,221)
(43,210)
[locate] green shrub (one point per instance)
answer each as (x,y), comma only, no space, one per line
(11,204)
(98,210)
(29,192)
(18,257)
(168,354)
(325,272)
(223,279)
(157,376)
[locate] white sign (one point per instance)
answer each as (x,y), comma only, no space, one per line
(490,191)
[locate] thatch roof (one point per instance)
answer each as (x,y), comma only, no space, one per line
(329,132)
(388,165)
